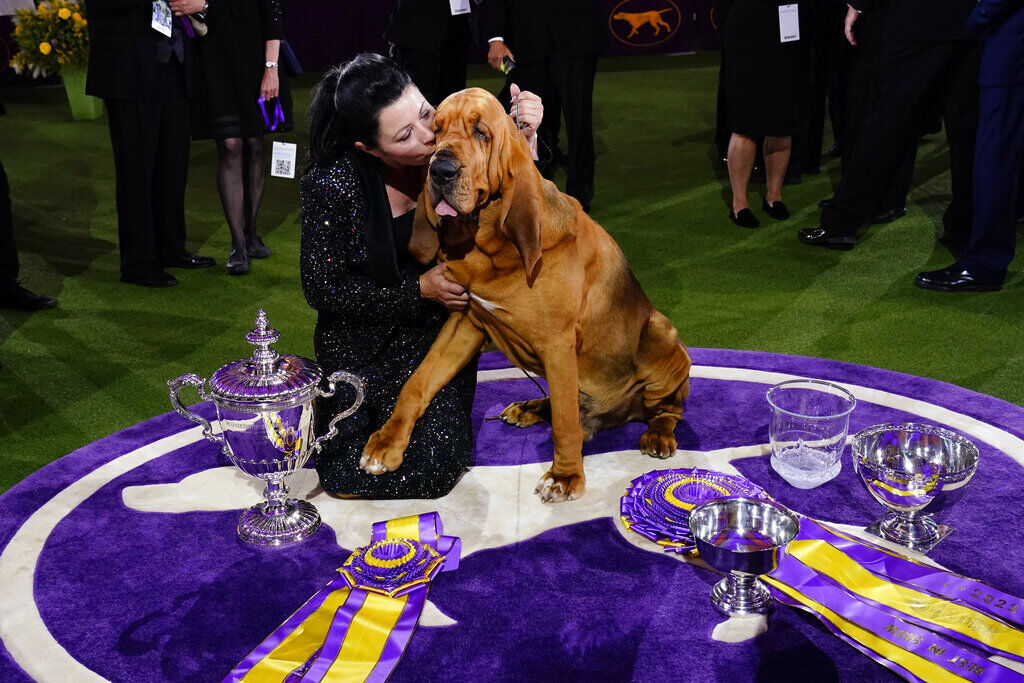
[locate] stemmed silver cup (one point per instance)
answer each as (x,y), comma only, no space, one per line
(914,470)
(743,538)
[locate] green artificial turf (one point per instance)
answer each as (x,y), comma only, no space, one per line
(100,362)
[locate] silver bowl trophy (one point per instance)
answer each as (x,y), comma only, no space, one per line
(743,538)
(914,470)
(265,413)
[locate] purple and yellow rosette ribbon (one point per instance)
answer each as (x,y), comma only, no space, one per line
(657,504)
(915,619)
(357,626)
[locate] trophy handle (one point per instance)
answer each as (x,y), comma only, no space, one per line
(332,428)
(175,386)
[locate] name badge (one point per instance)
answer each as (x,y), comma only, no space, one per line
(459,7)
(789,23)
(162,17)
(282,162)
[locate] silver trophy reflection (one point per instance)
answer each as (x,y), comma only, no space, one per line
(265,413)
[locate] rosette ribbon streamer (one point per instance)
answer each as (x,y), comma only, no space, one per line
(357,626)
(913,618)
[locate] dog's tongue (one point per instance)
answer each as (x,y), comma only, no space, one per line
(443,208)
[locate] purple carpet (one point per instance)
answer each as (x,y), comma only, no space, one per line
(136,594)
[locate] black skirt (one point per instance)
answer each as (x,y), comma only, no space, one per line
(765,79)
(230,61)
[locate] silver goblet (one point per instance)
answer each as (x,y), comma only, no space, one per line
(743,538)
(265,413)
(914,470)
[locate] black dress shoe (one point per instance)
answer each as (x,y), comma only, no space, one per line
(238,263)
(959,278)
(888,216)
(256,249)
(777,210)
(190,261)
(744,218)
(16,297)
(827,237)
(151,278)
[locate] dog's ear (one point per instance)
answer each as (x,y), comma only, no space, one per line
(423,244)
(520,197)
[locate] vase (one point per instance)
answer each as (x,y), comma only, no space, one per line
(83,107)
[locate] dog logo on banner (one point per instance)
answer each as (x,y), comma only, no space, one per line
(643,23)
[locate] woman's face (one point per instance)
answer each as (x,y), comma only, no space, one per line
(406,135)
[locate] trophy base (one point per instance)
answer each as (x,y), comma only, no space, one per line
(741,597)
(920,534)
(291,522)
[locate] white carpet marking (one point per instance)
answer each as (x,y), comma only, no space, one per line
(34,648)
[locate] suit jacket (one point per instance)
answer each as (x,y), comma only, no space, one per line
(578,27)
(920,20)
(122,50)
(421,24)
(1001,23)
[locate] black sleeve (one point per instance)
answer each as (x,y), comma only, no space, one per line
(497,19)
(333,267)
(271,18)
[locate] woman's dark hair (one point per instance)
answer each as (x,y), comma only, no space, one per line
(346,103)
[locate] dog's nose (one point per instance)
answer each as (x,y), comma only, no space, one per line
(443,170)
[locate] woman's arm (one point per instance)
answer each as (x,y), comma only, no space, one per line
(333,263)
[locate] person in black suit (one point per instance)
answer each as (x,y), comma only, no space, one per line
(998,157)
(554,44)
(924,50)
(145,79)
(431,44)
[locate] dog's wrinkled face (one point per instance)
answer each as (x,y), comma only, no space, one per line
(474,137)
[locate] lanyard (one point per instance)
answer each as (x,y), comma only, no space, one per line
(278,113)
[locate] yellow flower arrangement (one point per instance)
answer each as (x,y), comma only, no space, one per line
(55,35)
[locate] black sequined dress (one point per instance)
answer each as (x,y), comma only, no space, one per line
(372,322)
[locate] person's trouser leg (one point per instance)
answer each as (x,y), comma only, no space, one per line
(998,163)
(574,79)
(8,250)
(170,166)
(906,76)
(960,114)
(134,139)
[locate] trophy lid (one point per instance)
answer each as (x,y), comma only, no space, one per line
(266,377)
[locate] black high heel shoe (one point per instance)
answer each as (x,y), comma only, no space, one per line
(777,210)
(238,262)
(744,218)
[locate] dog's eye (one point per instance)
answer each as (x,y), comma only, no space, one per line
(480,134)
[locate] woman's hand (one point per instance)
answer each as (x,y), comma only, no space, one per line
(436,287)
(270,87)
(528,110)
(182,8)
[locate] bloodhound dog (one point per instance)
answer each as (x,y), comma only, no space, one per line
(549,287)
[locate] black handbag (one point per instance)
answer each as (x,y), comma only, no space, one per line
(289,62)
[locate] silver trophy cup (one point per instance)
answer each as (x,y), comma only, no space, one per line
(742,538)
(265,413)
(914,470)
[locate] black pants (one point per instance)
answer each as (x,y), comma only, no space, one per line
(439,73)
(8,252)
(568,80)
(151,139)
(908,75)
(998,176)
(826,26)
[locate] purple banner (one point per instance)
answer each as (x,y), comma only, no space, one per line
(920,642)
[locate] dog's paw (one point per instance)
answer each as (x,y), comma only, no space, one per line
(556,489)
(381,454)
(657,444)
(527,413)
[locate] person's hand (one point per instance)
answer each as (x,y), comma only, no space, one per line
(183,7)
(496,52)
(528,110)
(851,19)
(270,87)
(436,287)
